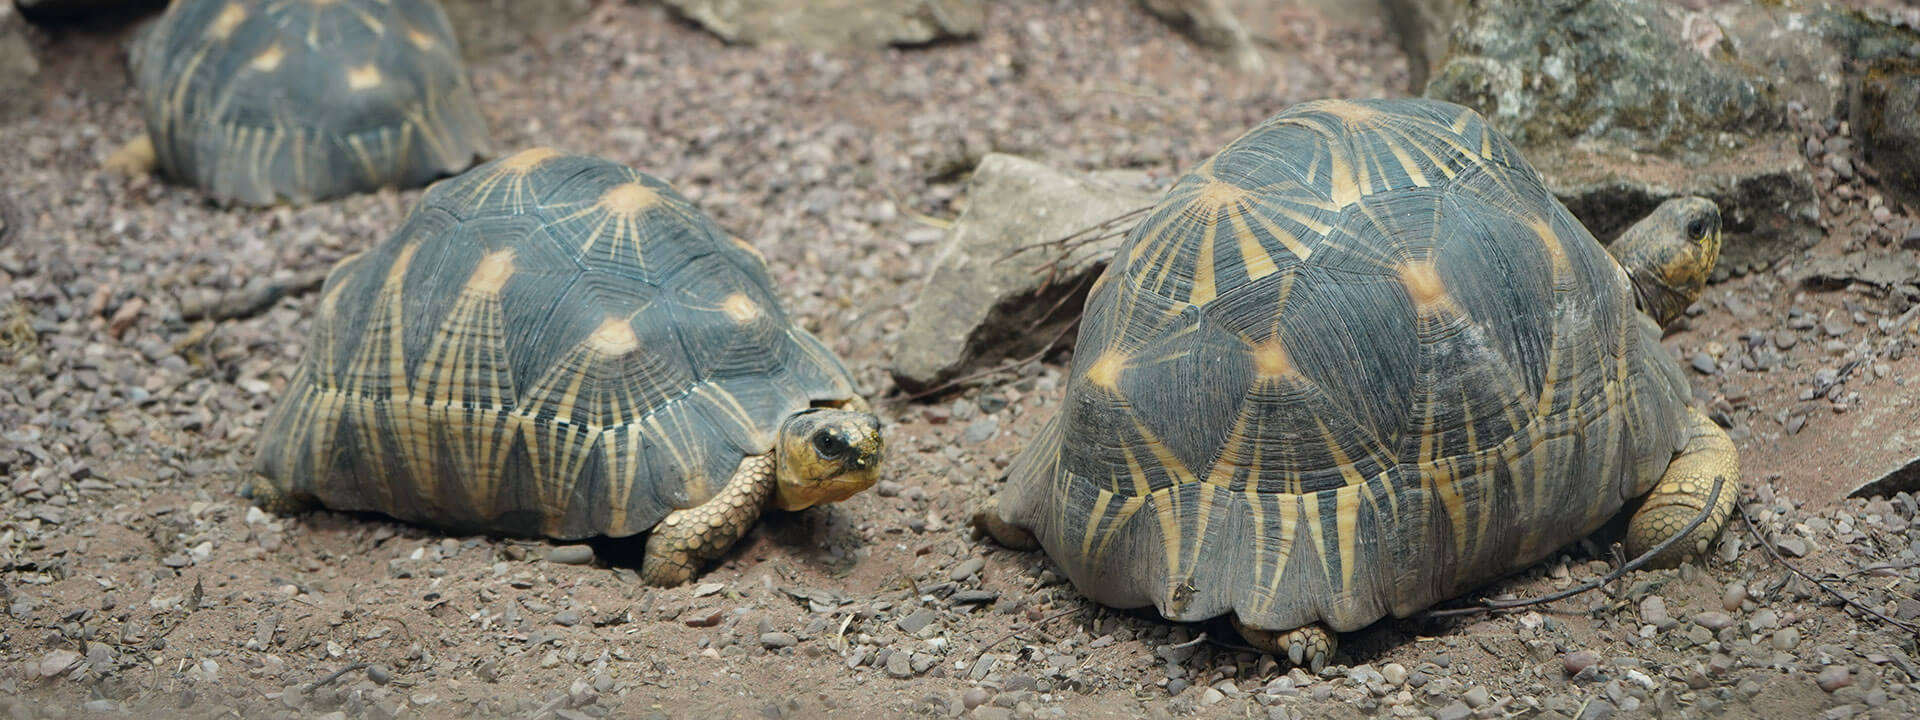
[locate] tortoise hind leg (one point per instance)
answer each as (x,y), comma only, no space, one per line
(687,539)
(1307,646)
(137,157)
(1682,493)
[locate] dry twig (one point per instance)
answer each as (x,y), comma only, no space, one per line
(1630,566)
(1775,552)
(255,298)
(1036,624)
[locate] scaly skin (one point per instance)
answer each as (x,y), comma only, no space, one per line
(134,158)
(687,539)
(1682,493)
(1309,646)
(1009,535)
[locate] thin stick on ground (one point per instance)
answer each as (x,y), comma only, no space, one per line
(335,675)
(1008,366)
(1630,566)
(1036,624)
(1754,529)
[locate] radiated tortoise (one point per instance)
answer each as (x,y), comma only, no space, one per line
(558,345)
(1358,362)
(259,101)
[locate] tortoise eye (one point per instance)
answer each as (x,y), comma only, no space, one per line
(1697,228)
(830,445)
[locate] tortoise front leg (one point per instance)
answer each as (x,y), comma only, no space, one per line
(1682,493)
(137,157)
(689,538)
(987,520)
(1308,646)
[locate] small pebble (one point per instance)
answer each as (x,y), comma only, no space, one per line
(1394,673)
(899,665)
(1735,595)
(571,555)
(1833,677)
(777,640)
(1653,611)
(975,697)
(1786,639)
(1455,710)
(1579,660)
(968,569)
(1703,363)
(916,622)
(1713,620)
(1477,697)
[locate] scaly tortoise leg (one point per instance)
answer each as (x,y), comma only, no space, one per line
(268,498)
(1682,493)
(1307,646)
(687,539)
(137,157)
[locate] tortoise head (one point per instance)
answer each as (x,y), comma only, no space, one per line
(826,455)
(1669,255)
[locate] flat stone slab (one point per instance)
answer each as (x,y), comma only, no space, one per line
(998,288)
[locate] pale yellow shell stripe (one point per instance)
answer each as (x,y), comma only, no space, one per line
(508,182)
(380,360)
(470,381)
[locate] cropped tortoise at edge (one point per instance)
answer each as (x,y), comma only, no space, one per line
(557,345)
(1358,362)
(258,101)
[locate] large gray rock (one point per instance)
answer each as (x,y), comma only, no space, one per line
(1626,103)
(1213,24)
(835,24)
(1888,126)
(1425,29)
(997,289)
(1765,192)
(493,27)
(19,70)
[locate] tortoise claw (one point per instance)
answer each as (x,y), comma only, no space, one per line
(1307,646)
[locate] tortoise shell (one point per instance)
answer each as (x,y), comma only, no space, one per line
(551,345)
(1358,361)
(305,99)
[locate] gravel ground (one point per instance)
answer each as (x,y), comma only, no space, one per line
(137,582)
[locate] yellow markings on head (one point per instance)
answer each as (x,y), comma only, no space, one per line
(1105,372)
(1270,360)
(228,19)
(363,77)
(741,308)
(419,38)
(613,338)
(628,198)
(268,59)
(492,272)
(526,160)
(1423,283)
